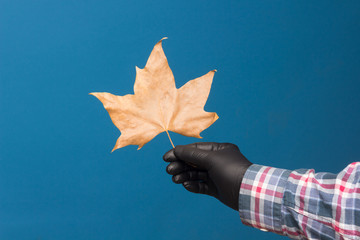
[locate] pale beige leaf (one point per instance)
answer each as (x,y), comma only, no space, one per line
(157,105)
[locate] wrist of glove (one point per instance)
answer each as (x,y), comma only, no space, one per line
(215,169)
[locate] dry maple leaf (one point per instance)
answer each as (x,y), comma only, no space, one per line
(157,105)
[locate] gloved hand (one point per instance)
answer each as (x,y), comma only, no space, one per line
(215,169)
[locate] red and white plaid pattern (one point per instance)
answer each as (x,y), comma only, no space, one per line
(302,204)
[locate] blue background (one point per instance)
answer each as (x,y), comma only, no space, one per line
(286,90)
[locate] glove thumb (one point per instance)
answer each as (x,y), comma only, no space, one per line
(193,155)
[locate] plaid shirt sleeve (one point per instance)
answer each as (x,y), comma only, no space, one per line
(302,204)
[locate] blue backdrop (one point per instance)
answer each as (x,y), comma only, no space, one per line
(286,90)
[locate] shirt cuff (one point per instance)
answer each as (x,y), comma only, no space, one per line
(261,195)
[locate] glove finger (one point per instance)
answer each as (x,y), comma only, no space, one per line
(170,156)
(190,176)
(199,187)
(177,167)
(193,156)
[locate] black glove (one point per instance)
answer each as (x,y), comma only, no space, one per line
(215,169)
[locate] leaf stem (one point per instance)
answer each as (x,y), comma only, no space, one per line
(170,138)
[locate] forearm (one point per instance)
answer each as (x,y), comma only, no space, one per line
(302,204)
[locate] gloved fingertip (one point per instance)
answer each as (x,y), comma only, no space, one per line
(169,169)
(190,187)
(169,156)
(175,178)
(186,184)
